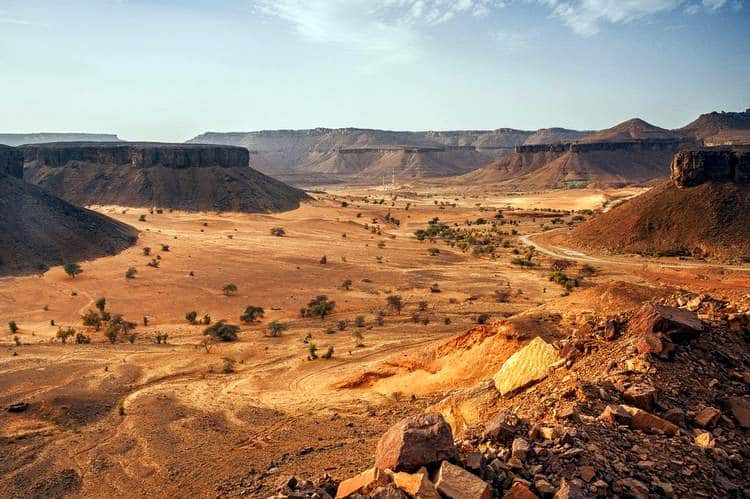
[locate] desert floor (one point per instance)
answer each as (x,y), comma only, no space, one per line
(166,420)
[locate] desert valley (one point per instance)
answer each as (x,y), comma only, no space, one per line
(365,313)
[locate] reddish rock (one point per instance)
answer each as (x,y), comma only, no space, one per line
(637,419)
(740,409)
(415,442)
(457,483)
(641,395)
(363,483)
(659,325)
(389,491)
(416,485)
(569,490)
(520,491)
(498,430)
(707,417)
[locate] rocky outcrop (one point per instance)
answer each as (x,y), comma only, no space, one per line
(697,166)
(188,177)
(632,145)
(17,139)
(414,442)
(11,161)
(140,155)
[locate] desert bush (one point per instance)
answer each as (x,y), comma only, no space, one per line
(101,304)
(142,218)
(222,331)
(64,333)
(130,273)
(347,284)
(323,260)
(92,319)
(435,288)
(522,262)
(395,303)
(131,337)
(329,353)
(433,251)
(275,328)
(320,306)
(191,316)
(312,351)
(560,265)
(380,317)
(483,318)
(447,321)
(252,314)
(422,306)
(13,327)
(161,338)
(278,232)
(564,280)
(206,319)
(359,321)
(229,289)
(72,269)
(165,248)
(587,270)
(227,366)
(342,324)
(153,263)
(82,339)
(502,295)
(146,251)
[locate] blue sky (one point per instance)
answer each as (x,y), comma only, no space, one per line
(170,69)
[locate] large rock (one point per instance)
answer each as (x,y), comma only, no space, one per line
(740,409)
(637,419)
(526,366)
(363,483)
(659,326)
(694,167)
(469,406)
(414,442)
(457,483)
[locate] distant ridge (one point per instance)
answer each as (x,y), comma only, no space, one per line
(630,130)
(17,139)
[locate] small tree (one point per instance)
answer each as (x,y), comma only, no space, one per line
(229,289)
(101,304)
(64,334)
(222,331)
(320,306)
(312,351)
(72,269)
(82,339)
(13,327)
(92,319)
(329,353)
(358,339)
(130,273)
(347,284)
(252,314)
(395,303)
(275,328)
(359,321)
(278,232)
(191,316)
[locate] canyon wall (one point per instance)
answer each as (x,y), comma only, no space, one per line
(697,166)
(11,161)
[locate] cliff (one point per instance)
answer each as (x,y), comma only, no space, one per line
(11,161)
(190,177)
(139,155)
(694,167)
(702,210)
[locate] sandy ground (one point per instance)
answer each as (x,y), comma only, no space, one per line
(141,419)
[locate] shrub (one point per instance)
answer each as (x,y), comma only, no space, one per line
(13,327)
(359,321)
(434,251)
(587,270)
(130,273)
(560,265)
(191,316)
(522,262)
(206,319)
(435,288)
(347,284)
(146,251)
(422,306)
(165,248)
(82,339)
(278,232)
(252,314)
(342,324)
(312,351)
(229,289)
(320,306)
(72,269)
(92,319)
(502,295)
(563,280)
(323,260)
(275,328)
(64,334)
(131,338)
(395,303)
(153,263)
(222,331)
(160,338)
(358,339)
(329,353)
(142,218)
(227,366)
(483,318)
(101,304)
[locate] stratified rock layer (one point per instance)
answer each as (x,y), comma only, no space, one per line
(695,167)
(188,177)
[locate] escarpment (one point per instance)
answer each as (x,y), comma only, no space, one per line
(189,177)
(694,167)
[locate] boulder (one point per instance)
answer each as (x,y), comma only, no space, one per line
(641,395)
(658,326)
(705,440)
(526,366)
(457,483)
(497,429)
(706,417)
(520,491)
(638,419)
(365,482)
(415,442)
(416,485)
(467,407)
(740,409)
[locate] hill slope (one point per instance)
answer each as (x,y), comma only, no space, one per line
(630,130)
(702,210)
(721,128)
(38,230)
(177,176)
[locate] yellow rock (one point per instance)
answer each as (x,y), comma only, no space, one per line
(526,366)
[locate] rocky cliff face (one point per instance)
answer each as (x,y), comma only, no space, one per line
(11,161)
(140,155)
(633,145)
(695,167)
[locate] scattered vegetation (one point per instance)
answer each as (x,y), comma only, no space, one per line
(229,289)
(395,303)
(72,269)
(278,232)
(320,306)
(12,327)
(222,331)
(275,328)
(252,314)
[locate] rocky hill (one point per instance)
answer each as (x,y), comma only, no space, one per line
(724,128)
(38,230)
(17,139)
(190,177)
(631,130)
(325,155)
(702,210)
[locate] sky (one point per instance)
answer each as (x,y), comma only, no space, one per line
(171,69)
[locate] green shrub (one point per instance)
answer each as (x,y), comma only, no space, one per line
(222,331)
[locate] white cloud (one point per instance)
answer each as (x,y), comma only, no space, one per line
(393,30)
